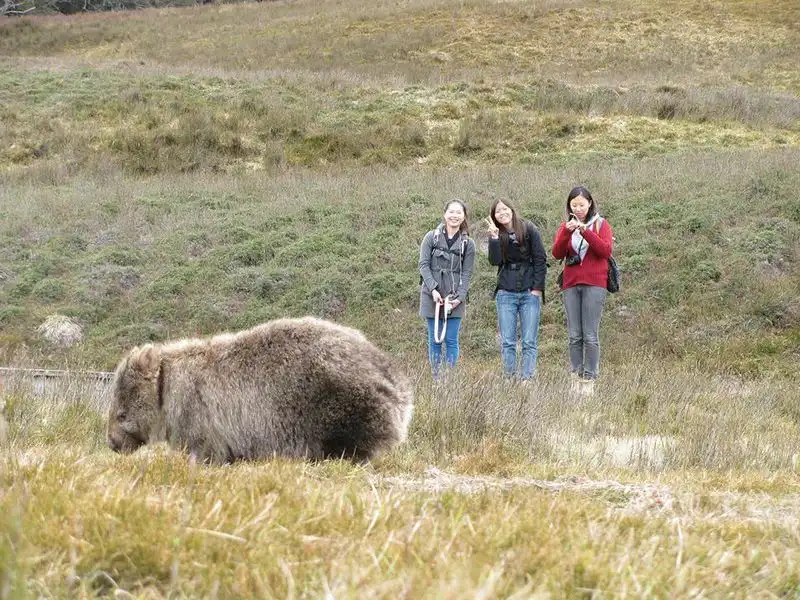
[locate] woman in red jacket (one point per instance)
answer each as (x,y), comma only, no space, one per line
(585,240)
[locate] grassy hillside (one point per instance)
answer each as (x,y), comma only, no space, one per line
(146,124)
(181,171)
(176,172)
(753,43)
(252,87)
(710,263)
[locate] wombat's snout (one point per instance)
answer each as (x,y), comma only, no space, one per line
(123,443)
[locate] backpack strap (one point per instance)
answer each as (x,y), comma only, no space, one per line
(529,231)
(436,233)
(462,247)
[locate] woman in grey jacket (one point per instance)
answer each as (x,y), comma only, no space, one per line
(446,260)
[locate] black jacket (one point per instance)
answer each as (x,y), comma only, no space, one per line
(524,268)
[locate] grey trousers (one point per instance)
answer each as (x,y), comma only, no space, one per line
(584,307)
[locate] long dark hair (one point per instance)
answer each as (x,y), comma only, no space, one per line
(517,224)
(464,228)
(581,191)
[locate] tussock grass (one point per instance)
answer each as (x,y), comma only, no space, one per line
(751,43)
(706,283)
(272,85)
(495,490)
(165,124)
(642,417)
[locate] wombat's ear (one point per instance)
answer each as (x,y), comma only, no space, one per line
(146,360)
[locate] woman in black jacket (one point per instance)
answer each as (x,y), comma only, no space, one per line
(515,247)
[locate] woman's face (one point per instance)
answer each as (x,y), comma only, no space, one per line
(580,207)
(454,215)
(503,214)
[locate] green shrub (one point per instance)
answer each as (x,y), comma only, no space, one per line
(791,209)
(173,281)
(475,131)
(708,271)
(49,290)
(250,253)
(121,256)
(128,336)
(10,313)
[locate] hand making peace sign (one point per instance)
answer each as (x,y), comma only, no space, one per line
(492,228)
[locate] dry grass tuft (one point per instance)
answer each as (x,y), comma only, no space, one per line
(61,331)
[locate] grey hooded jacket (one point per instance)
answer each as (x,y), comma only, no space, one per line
(446,269)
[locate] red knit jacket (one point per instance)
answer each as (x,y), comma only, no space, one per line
(593,270)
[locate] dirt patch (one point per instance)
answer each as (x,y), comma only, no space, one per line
(639,496)
(682,506)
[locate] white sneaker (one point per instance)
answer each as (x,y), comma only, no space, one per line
(586,387)
(574,383)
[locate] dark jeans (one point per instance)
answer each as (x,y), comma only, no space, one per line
(584,307)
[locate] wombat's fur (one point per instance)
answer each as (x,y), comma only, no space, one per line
(292,387)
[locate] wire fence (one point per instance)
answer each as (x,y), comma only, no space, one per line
(57,385)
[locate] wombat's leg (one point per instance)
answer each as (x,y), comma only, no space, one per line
(206,453)
(359,434)
(367,420)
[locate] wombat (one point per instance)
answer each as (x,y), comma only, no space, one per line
(300,388)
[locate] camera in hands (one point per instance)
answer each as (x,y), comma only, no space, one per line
(448,304)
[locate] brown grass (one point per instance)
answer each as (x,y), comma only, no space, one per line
(474,503)
(613,42)
(275,85)
(148,125)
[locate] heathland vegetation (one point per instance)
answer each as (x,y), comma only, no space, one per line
(172,172)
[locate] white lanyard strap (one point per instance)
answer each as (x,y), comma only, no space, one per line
(446,309)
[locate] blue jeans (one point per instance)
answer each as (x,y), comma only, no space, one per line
(526,307)
(450,343)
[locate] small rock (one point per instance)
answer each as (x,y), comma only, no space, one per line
(625,312)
